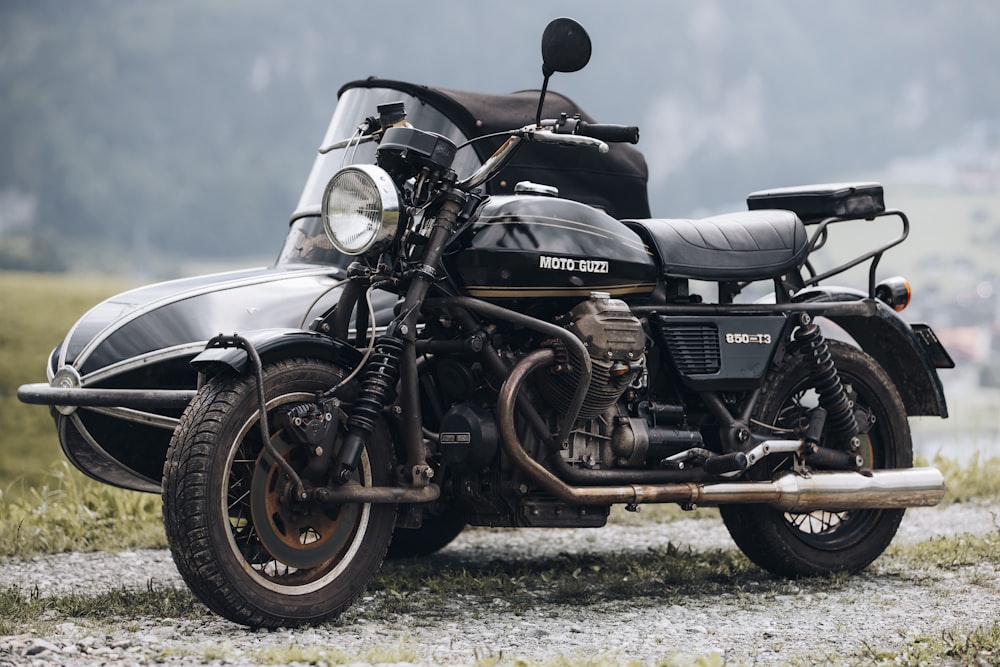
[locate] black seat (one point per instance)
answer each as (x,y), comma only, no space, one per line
(749,245)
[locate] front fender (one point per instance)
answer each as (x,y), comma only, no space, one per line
(910,354)
(274,344)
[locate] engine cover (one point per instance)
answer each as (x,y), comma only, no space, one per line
(468,436)
(615,341)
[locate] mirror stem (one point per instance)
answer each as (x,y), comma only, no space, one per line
(541,97)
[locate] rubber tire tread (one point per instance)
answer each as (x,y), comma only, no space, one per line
(187,497)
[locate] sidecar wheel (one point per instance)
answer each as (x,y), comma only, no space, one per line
(824,542)
(239,546)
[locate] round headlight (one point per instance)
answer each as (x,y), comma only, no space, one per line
(360,209)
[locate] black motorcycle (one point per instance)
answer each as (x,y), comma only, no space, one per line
(516,342)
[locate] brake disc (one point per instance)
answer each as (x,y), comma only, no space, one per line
(299,535)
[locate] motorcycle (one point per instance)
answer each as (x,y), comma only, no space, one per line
(515,342)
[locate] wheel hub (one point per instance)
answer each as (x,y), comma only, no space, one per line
(300,535)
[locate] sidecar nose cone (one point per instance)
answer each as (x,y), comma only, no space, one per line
(66,377)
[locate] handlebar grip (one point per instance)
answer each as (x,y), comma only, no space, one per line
(619,134)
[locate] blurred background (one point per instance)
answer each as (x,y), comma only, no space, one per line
(149,140)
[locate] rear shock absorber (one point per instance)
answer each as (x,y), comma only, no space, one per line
(378,389)
(832,395)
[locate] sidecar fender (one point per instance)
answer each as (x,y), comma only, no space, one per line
(910,353)
(273,344)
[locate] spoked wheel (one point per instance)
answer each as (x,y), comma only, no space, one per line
(823,542)
(247,552)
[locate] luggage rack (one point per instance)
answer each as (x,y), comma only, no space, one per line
(825,204)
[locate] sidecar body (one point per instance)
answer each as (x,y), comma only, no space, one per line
(120,379)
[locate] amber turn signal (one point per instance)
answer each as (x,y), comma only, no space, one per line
(894,292)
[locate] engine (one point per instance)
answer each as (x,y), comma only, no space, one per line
(615,340)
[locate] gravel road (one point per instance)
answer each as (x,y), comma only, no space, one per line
(762,622)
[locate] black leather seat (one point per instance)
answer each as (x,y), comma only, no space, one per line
(748,245)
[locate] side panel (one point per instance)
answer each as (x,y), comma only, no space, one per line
(730,352)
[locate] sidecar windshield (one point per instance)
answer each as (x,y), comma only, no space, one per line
(306,242)
(356,104)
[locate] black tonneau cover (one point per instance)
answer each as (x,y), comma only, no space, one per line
(615,181)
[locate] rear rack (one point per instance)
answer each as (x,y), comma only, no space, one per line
(825,204)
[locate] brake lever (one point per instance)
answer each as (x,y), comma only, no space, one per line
(542,135)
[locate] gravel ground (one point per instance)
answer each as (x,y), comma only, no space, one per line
(763,622)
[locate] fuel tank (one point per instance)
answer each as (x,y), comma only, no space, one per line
(531,246)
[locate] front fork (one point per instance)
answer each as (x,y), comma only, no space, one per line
(394,360)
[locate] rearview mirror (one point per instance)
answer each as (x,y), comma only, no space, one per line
(565,47)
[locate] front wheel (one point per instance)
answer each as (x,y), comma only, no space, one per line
(823,542)
(242,548)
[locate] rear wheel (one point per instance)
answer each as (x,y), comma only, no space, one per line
(243,549)
(823,542)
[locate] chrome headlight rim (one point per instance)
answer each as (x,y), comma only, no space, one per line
(381,210)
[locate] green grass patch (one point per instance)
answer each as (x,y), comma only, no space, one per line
(316,655)
(19,607)
(947,553)
(566,579)
(975,479)
(68,512)
(976,646)
(38,310)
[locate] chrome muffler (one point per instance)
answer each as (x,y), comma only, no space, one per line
(884,489)
(793,492)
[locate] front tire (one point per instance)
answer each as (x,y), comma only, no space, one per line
(823,542)
(238,545)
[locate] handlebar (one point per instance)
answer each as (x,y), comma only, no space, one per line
(496,162)
(619,134)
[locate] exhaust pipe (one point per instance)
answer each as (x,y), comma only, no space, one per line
(884,489)
(834,491)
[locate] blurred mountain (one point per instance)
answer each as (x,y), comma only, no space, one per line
(138,136)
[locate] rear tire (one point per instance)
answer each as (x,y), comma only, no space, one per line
(239,546)
(823,542)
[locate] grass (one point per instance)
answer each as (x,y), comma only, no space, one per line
(975,479)
(947,553)
(68,512)
(568,579)
(38,310)
(18,607)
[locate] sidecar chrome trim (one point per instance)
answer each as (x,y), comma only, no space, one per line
(138,417)
(164,354)
(101,336)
